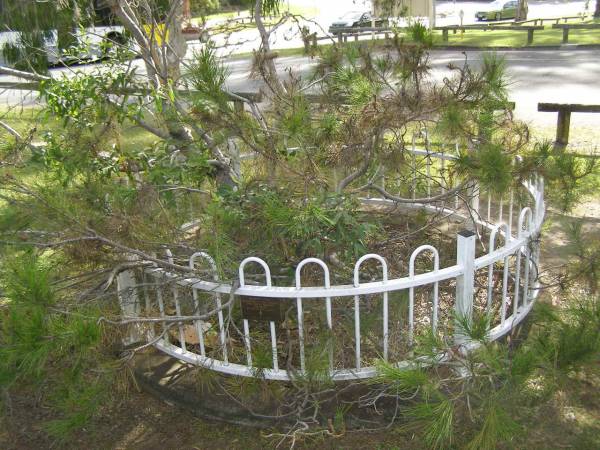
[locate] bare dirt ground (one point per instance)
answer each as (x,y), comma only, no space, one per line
(571,419)
(139,421)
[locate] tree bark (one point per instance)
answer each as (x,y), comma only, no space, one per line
(267,60)
(163,47)
(187,12)
(597,11)
(522,10)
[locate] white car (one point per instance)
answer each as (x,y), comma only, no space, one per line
(96,43)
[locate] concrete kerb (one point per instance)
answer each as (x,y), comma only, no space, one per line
(300,50)
(529,48)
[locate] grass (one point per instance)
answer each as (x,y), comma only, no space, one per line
(481,39)
(26,118)
(583,139)
(508,38)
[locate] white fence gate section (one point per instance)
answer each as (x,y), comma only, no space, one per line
(350,326)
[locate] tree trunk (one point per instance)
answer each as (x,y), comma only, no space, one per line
(163,47)
(522,10)
(597,11)
(267,60)
(187,12)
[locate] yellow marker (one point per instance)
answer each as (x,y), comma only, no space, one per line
(157,32)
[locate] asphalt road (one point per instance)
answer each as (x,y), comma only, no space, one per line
(553,76)
(556,76)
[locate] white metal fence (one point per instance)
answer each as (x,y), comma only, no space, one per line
(340,330)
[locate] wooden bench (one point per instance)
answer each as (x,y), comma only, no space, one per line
(548,19)
(564,117)
(343,33)
(529,28)
(574,26)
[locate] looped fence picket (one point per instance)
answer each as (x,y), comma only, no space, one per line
(259,328)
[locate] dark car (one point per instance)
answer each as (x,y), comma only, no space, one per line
(355,19)
(498,10)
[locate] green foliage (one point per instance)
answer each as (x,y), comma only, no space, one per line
(81,100)
(49,350)
(204,7)
(348,82)
(494,73)
(297,227)
(568,177)
(206,74)
(27,282)
(76,402)
(38,22)
(475,328)
(498,426)
(566,341)
(420,34)
(587,251)
(482,401)
(437,420)
(162,167)
(490,165)
(296,120)
(27,53)
(405,380)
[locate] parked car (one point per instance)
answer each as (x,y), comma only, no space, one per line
(498,10)
(356,19)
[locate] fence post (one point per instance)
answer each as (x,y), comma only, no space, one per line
(236,162)
(565,39)
(530,36)
(474,198)
(465,283)
(129,301)
(562,128)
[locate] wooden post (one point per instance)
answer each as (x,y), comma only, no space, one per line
(565,35)
(314,40)
(465,283)
(530,36)
(236,162)
(474,198)
(340,38)
(445,34)
(238,106)
(562,128)
(129,301)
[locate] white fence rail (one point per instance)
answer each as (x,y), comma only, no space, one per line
(350,326)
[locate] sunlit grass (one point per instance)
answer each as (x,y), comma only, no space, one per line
(476,38)
(26,119)
(509,38)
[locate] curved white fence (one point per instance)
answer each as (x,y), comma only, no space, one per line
(331,319)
